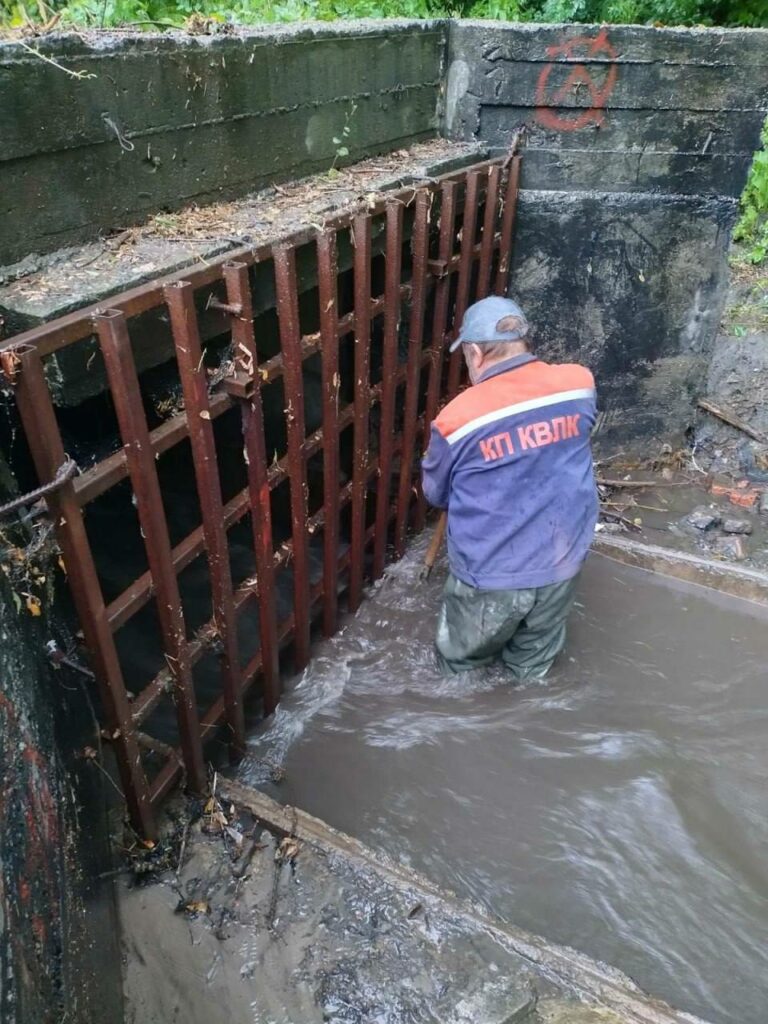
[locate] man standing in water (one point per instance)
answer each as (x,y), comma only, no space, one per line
(510,460)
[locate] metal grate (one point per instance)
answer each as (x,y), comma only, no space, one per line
(460,230)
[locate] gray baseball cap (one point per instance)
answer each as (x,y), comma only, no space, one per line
(481,319)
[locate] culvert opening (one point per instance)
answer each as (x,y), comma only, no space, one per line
(248,437)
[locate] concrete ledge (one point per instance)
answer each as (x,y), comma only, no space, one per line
(679,565)
(594,983)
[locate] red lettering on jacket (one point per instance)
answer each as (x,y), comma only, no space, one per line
(543,433)
(573,425)
(526,437)
(487,449)
(492,447)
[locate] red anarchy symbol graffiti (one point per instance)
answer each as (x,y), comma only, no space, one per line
(578,78)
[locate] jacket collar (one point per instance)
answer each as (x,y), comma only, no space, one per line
(508,364)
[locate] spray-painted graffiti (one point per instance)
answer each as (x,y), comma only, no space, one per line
(563,79)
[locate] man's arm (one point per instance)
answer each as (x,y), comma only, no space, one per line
(436,470)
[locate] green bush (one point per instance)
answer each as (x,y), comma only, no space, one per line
(752,228)
(110,13)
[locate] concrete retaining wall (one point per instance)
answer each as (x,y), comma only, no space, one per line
(156,122)
(59,947)
(639,141)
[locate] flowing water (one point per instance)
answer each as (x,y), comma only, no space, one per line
(621,807)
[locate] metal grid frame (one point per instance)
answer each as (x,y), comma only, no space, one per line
(492,184)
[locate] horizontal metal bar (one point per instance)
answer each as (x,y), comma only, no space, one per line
(110,471)
(167,777)
(133,598)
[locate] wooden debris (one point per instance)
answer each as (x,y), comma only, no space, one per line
(732,419)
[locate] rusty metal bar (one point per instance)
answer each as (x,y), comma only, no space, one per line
(290,341)
(187,550)
(393,270)
(362,372)
(105,474)
(488,238)
(507,227)
(437,348)
(42,431)
(420,245)
(169,774)
(147,700)
(126,395)
(181,306)
(252,414)
(465,275)
(327,273)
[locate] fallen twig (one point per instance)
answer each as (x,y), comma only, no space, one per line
(729,417)
(636,484)
(55,63)
(622,519)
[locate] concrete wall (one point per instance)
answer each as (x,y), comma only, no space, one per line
(639,142)
(158,121)
(59,948)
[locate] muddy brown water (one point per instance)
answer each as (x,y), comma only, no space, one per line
(621,807)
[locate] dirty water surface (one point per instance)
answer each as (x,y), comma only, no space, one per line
(621,807)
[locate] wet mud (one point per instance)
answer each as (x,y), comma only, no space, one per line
(620,808)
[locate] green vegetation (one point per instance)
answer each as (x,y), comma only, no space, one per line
(752,229)
(109,13)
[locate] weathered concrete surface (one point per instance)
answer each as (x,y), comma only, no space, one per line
(59,958)
(638,142)
(632,285)
(40,288)
(678,110)
(157,121)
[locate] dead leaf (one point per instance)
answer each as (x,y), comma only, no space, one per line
(33,605)
(197,907)
(288,849)
(210,807)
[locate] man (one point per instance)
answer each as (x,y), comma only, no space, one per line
(510,460)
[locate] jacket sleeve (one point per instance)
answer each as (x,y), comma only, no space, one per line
(436,470)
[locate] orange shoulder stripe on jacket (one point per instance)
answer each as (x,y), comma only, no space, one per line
(523,384)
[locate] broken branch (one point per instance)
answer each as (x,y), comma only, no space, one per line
(729,417)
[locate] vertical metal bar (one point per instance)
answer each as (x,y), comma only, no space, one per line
(290,342)
(362,399)
(439,323)
(488,239)
(252,415)
(416,328)
(327,273)
(142,468)
(507,228)
(186,336)
(393,255)
(465,275)
(42,431)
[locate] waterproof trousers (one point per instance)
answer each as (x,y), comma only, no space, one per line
(523,628)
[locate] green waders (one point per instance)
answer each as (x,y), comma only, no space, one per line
(524,628)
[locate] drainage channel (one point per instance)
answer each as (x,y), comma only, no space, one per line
(299,427)
(619,808)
